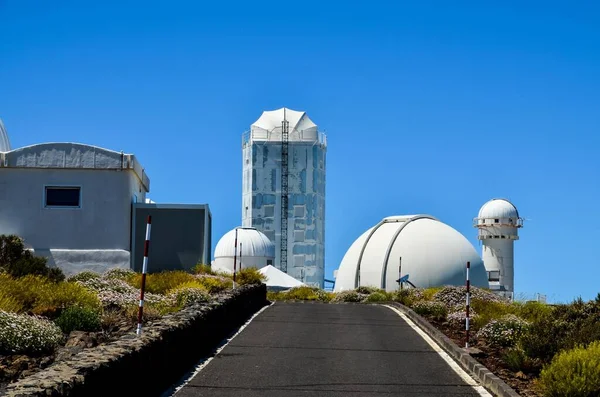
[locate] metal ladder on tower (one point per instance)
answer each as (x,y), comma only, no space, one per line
(285,125)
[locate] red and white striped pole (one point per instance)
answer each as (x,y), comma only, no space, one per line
(468,306)
(144,271)
(235,257)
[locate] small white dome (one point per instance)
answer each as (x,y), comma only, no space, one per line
(4,142)
(254,243)
(433,254)
(256,250)
(498,209)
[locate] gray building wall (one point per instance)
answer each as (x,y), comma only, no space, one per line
(94,236)
(180,236)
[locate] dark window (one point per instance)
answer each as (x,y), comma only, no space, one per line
(497,220)
(63,196)
(269,262)
(494,275)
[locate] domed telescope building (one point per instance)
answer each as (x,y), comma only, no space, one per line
(498,223)
(254,249)
(421,248)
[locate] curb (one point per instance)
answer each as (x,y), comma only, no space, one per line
(487,378)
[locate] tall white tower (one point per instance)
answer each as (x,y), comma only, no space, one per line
(498,223)
(283,190)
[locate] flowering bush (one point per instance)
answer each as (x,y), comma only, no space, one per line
(83,276)
(435,310)
(119,273)
(458,318)
(349,296)
(503,332)
(408,296)
(188,296)
(22,334)
(114,292)
(379,296)
(452,296)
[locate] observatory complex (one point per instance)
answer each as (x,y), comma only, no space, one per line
(498,223)
(421,247)
(283,190)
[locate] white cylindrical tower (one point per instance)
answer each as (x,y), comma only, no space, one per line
(283,190)
(498,223)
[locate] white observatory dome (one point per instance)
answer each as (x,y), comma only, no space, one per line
(254,250)
(498,209)
(268,126)
(4,142)
(433,254)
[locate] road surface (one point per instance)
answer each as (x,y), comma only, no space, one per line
(327,350)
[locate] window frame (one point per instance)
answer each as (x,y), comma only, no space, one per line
(62,186)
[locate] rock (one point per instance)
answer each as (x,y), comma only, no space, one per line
(474,352)
(20,363)
(521,375)
(82,339)
(45,361)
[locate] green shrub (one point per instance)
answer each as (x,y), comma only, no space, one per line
(564,327)
(77,318)
(250,275)
(516,360)
(201,268)
(488,311)
(351,296)
(214,284)
(302,293)
(18,261)
(367,290)
(573,373)
(431,309)
(184,296)
(84,276)
(532,311)
(379,297)
(408,296)
(503,332)
(24,334)
(8,303)
(119,274)
(160,283)
(38,295)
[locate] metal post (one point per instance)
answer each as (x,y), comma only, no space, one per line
(400,273)
(144,271)
(240,256)
(235,256)
(468,306)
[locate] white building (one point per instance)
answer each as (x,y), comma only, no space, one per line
(254,249)
(430,252)
(304,252)
(71,202)
(498,226)
(4,141)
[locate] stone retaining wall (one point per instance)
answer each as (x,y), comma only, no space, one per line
(147,365)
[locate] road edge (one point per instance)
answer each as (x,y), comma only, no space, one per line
(488,379)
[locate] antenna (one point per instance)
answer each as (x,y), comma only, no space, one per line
(284,193)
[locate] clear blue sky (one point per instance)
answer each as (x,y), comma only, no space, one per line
(429,107)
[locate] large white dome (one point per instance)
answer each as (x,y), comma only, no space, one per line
(433,254)
(498,209)
(254,249)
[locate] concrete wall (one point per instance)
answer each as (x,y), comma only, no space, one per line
(261,203)
(148,365)
(180,236)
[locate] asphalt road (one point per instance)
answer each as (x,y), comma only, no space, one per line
(327,350)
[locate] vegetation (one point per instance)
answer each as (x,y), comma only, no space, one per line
(17,261)
(574,372)
(24,334)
